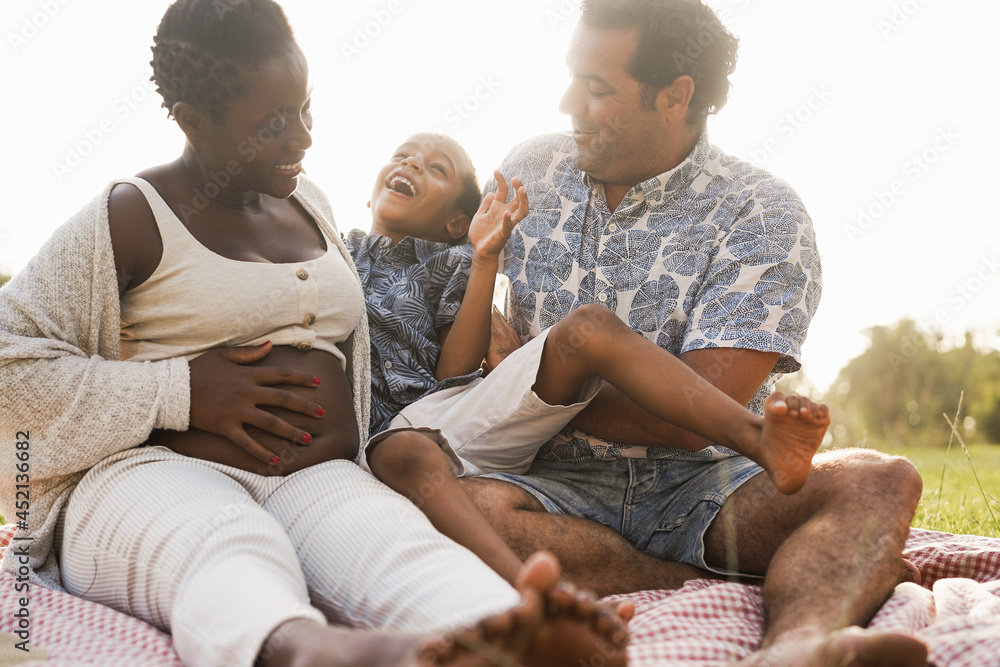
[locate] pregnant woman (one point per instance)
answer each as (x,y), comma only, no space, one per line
(184,382)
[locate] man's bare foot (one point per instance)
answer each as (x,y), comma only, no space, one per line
(553,626)
(794,427)
(850,647)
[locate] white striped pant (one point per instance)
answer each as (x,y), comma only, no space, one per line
(221,557)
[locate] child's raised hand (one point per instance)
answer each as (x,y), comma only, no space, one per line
(495,220)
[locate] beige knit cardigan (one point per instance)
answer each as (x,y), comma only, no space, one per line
(64,391)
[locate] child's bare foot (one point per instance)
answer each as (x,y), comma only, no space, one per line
(794,427)
(850,647)
(553,626)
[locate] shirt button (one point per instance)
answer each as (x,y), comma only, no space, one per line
(612,228)
(304,346)
(388,365)
(311,320)
(602,297)
(302,274)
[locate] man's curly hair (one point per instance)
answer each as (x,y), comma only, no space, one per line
(203,50)
(676,37)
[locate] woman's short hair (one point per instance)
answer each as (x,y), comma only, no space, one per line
(203,50)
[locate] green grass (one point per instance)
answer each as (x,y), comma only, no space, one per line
(961,493)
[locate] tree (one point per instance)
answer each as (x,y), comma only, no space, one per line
(896,392)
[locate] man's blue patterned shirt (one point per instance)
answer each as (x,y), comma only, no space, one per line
(714,253)
(412,290)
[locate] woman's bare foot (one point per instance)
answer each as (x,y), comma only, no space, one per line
(910,573)
(577,629)
(553,626)
(794,427)
(306,643)
(850,647)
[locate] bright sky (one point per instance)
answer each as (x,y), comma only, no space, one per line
(881,113)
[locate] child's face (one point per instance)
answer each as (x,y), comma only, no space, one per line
(416,193)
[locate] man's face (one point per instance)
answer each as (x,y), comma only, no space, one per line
(618,141)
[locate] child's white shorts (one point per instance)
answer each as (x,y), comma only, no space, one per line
(495,423)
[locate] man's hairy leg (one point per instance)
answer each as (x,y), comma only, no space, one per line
(832,554)
(593,556)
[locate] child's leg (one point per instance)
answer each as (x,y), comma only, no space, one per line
(593,341)
(413,464)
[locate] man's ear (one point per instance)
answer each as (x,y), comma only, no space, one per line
(192,122)
(458,227)
(674,100)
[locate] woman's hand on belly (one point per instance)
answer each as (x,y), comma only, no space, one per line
(227,392)
(255,418)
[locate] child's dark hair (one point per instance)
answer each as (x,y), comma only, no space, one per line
(470,198)
(204,48)
(472,195)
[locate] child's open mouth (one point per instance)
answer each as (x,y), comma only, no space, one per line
(402,185)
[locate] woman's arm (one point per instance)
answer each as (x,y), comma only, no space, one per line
(60,378)
(465,342)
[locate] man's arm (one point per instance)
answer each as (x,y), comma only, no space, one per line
(737,372)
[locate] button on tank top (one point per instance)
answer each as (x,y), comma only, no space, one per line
(197,300)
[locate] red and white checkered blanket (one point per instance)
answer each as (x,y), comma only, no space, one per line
(957,613)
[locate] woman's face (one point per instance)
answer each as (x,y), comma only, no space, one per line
(262,139)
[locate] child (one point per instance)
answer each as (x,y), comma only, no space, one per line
(420,205)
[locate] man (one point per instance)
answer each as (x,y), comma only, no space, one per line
(716,261)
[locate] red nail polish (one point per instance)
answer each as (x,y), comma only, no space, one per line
(275,460)
(265,343)
(306,439)
(320,412)
(315,380)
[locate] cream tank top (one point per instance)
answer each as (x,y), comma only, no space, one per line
(197,300)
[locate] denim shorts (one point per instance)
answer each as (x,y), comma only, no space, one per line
(662,506)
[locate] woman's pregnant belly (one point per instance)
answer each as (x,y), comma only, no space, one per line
(335,434)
